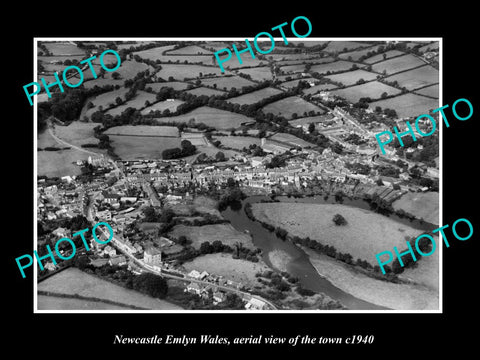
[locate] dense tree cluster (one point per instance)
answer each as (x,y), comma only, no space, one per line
(186,149)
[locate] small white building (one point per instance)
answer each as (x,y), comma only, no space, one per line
(152,256)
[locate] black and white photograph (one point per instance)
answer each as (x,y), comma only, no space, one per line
(261,187)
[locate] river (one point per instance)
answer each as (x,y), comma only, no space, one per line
(300,265)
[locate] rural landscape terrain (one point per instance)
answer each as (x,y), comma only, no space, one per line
(260,188)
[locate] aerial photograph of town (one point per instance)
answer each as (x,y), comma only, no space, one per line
(260,188)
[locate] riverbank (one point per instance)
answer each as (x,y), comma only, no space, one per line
(382,293)
(421,205)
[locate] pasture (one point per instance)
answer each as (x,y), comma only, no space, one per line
(351,77)
(227,82)
(416,78)
(290,140)
(380,57)
(143,130)
(162,106)
(291,105)
(219,119)
(129,147)
(344,46)
(397,64)
(189,50)
(355,55)
(205,91)
(432,91)
(238,142)
(408,105)
(255,96)
(175,85)
(184,72)
(373,90)
(317,88)
(103,101)
(332,67)
(258,73)
(60,48)
(138,102)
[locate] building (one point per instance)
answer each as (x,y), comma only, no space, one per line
(194,274)
(255,304)
(194,288)
(119,260)
(152,256)
(110,251)
(218,297)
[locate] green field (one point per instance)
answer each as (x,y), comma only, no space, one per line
(205,91)
(258,73)
(332,67)
(138,102)
(343,46)
(310,119)
(317,88)
(422,205)
(175,85)
(289,106)
(129,68)
(355,55)
(351,77)
(189,50)
(432,91)
(104,100)
(153,53)
(220,119)
(397,64)
(77,133)
(408,105)
(373,90)
(294,83)
(162,106)
(227,82)
(430,47)
(63,48)
(379,57)
(288,69)
(182,72)
(238,142)
(255,96)
(365,234)
(416,78)
(142,147)
(143,130)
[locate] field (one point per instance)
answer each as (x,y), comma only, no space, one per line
(343,46)
(129,44)
(373,90)
(365,234)
(175,85)
(294,83)
(189,50)
(142,147)
(379,57)
(205,91)
(255,96)
(429,47)
(190,59)
(101,82)
(293,68)
(153,53)
(63,48)
(355,55)
(290,139)
(289,106)
(138,102)
(75,282)
(407,105)
(143,130)
(397,64)
(197,139)
(416,78)
(332,67)
(77,133)
(226,233)
(104,100)
(351,77)
(237,270)
(422,205)
(220,119)
(61,303)
(162,106)
(258,73)
(237,142)
(227,82)
(432,91)
(317,88)
(383,293)
(316,60)
(182,72)
(129,68)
